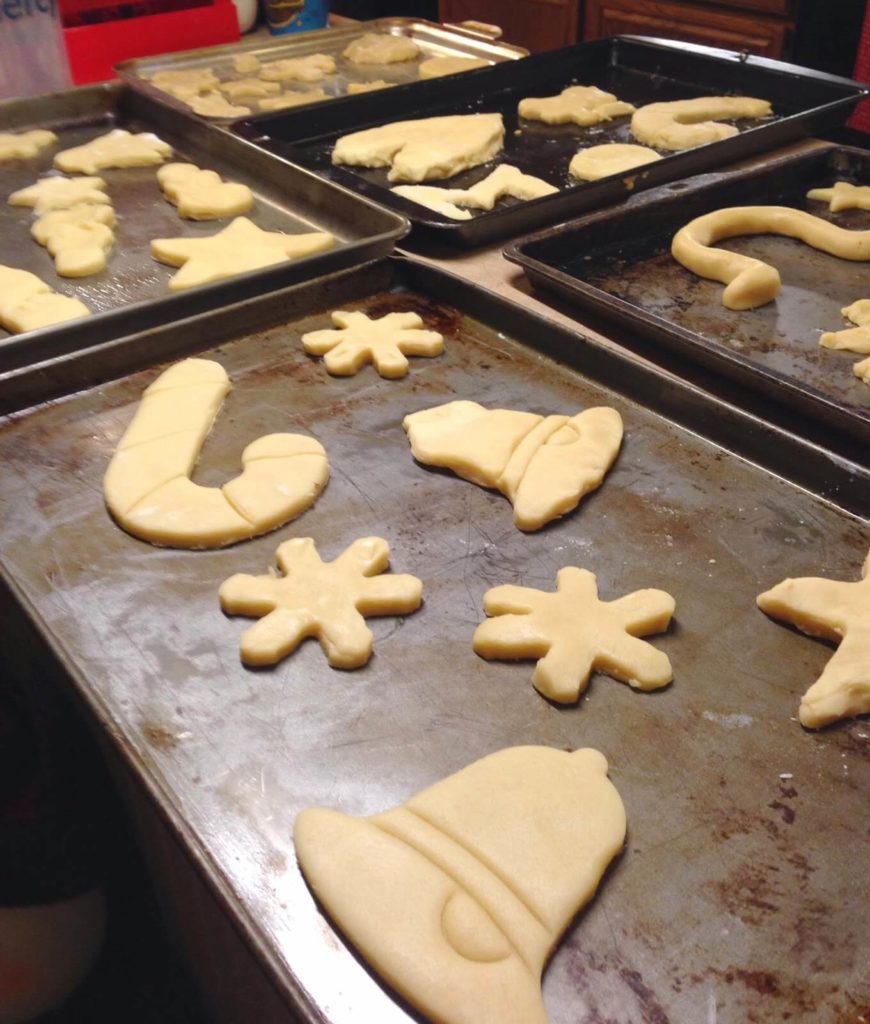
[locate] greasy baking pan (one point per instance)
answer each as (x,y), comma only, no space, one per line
(737,897)
(637,70)
(618,262)
(132,292)
(433,40)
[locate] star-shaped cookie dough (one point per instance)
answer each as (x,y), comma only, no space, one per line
(384,342)
(572,632)
(239,247)
(843,196)
(838,611)
(326,600)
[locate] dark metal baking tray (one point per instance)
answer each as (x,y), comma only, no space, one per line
(617,262)
(737,898)
(638,70)
(131,294)
(434,41)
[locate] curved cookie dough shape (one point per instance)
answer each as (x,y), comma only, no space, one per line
(751,282)
(837,611)
(384,342)
(457,898)
(684,124)
(147,486)
(118,148)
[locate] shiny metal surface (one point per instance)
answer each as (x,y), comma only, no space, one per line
(740,896)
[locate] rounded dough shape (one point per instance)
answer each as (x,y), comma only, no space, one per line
(684,124)
(611,158)
(375,48)
(437,67)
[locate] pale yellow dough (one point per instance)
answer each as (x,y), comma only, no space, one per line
(27,303)
(544,465)
(326,600)
(442,200)
(854,339)
(751,282)
(840,612)
(215,104)
(79,238)
(383,342)
(862,370)
(147,486)
(24,145)
(299,69)
(583,105)
(119,148)
(292,99)
(239,247)
(684,124)
(436,67)
(571,632)
(373,48)
(60,193)
(252,88)
(596,162)
(202,195)
(246,63)
(843,196)
(355,88)
(457,898)
(504,181)
(434,147)
(185,82)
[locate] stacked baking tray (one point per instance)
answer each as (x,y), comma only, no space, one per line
(738,882)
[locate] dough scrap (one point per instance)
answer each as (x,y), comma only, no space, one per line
(436,67)
(355,88)
(79,238)
(326,600)
(27,303)
(299,69)
(433,147)
(214,104)
(60,193)
(457,898)
(843,196)
(249,87)
(505,180)
(292,99)
(597,162)
(543,465)
(571,632)
(837,611)
(237,248)
(383,342)
(374,48)
(118,148)
(854,339)
(583,105)
(751,282)
(147,486)
(684,124)
(24,145)
(202,195)
(246,63)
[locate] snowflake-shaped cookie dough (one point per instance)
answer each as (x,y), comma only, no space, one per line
(326,600)
(572,632)
(384,342)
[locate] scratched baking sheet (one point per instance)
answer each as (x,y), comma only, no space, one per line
(618,263)
(740,896)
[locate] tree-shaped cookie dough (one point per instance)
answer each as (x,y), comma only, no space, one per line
(384,342)
(837,611)
(326,600)
(572,632)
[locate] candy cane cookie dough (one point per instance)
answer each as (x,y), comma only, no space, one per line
(596,162)
(684,124)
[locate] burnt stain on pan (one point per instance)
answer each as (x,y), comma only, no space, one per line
(435,317)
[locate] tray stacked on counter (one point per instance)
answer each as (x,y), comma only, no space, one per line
(639,71)
(736,894)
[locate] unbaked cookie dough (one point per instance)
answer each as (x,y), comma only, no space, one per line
(751,282)
(597,162)
(239,247)
(27,303)
(249,88)
(292,99)
(433,147)
(837,611)
(582,105)
(79,238)
(215,104)
(843,196)
(457,898)
(246,63)
(299,69)
(24,145)
(119,148)
(437,67)
(503,181)
(373,48)
(202,195)
(854,339)
(355,88)
(684,124)
(543,465)
(147,486)
(326,600)
(384,342)
(571,632)
(186,82)
(60,193)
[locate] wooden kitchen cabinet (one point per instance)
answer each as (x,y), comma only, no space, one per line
(536,24)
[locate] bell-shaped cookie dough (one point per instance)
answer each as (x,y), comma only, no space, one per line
(119,148)
(203,195)
(457,898)
(837,611)
(684,124)
(583,105)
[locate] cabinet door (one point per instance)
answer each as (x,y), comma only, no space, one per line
(536,24)
(693,23)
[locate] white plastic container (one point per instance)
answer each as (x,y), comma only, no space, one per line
(32,53)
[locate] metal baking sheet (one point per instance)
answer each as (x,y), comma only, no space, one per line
(638,70)
(434,41)
(737,898)
(132,292)
(618,263)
